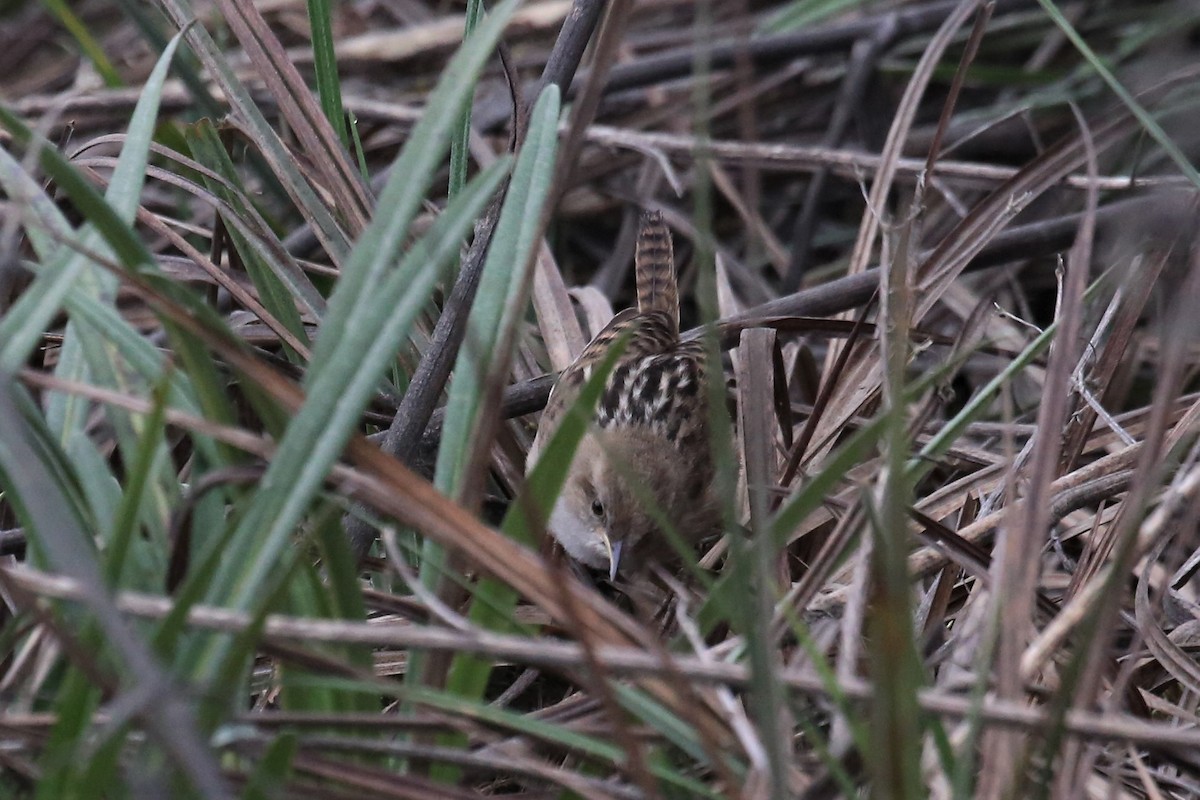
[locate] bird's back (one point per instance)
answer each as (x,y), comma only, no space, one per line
(656,376)
(649,438)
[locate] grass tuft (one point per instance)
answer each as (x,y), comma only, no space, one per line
(944,253)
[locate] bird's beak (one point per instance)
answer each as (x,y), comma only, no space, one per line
(614,559)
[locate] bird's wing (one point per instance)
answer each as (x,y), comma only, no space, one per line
(662,391)
(648,334)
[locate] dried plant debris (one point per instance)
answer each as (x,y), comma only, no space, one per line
(285,286)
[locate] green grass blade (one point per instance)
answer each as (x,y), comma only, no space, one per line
(460,144)
(1143,116)
(501,289)
(500,304)
(329,85)
(47,230)
(205,145)
(62,761)
(804,13)
(21,329)
(337,394)
(134,499)
(91,48)
(596,748)
(282,163)
(493,603)
(404,193)
(42,503)
(273,769)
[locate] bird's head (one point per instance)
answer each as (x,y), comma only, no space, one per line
(601,518)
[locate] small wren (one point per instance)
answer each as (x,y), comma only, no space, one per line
(648,441)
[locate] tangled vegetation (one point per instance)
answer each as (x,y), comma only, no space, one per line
(284,286)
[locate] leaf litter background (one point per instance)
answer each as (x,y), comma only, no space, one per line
(946,246)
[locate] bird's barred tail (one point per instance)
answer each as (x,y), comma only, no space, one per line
(657,289)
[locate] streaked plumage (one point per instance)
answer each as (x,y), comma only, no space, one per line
(649,430)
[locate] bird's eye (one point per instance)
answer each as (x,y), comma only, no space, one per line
(597,509)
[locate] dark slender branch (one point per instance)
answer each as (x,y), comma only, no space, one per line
(768,50)
(1021,242)
(404,436)
(761,52)
(863,58)
(588,100)
(12,542)
(842,294)
(572,40)
(407,434)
